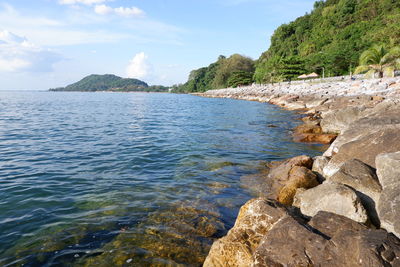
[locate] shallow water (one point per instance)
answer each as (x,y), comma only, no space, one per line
(134,179)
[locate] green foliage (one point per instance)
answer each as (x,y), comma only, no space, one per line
(332,36)
(109,82)
(239,78)
(379,59)
(228,66)
(218,75)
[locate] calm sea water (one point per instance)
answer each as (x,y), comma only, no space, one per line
(128,179)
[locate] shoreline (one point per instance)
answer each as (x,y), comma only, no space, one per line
(353,182)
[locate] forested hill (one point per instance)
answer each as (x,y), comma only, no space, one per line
(331,38)
(109,82)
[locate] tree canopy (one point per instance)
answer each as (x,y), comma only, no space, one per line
(109,82)
(332,36)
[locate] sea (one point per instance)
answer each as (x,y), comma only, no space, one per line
(129,179)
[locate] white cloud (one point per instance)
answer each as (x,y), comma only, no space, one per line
(84,2)
(17,54)
(121,11)
(103,9)
(139,67)
(126,11)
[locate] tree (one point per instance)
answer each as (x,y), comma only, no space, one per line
(230,65)
(239,78)
(378,59)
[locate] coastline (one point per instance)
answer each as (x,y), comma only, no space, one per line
(346,197)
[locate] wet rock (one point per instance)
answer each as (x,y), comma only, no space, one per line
(388,169)
(255,219)
(335,198)
(315,138)
(361,178)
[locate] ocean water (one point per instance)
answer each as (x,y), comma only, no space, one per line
(128,179)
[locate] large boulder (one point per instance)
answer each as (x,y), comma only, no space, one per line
(366,147)
(286,177)
(332,197)
(255,219)
(328,240)
(361,178)
(337,120)
(388,169)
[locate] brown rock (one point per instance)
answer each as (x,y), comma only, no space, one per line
(308,128)
(289,175)
(366,148)
(299,177)
(315,138)
(328,240)
(255,219)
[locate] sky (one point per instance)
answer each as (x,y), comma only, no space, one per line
(52,43)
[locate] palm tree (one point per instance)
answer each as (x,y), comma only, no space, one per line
(379,59)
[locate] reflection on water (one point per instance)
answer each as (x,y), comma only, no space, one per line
(115,179)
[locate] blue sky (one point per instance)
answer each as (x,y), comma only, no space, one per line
(51,43)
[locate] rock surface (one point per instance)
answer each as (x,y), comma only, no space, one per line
(326,241)
(361,178)
(335,198)
(388,169)
(291,174)
(255,219)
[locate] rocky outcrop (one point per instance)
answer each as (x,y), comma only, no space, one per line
(326,241)
(361,178)
(388,168)
(290,175)
(336,121)
(332,197)
(255,219)
(359,172)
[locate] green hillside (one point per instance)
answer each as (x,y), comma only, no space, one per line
(109,82)
(331,38)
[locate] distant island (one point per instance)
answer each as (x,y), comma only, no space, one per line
(112,83)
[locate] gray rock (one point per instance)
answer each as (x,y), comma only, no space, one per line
(361,178)
(318,166)
(388,169)
(335,198)
(338,120)
(364,146)
(328,240)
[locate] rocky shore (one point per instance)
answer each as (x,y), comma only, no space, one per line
(338,209)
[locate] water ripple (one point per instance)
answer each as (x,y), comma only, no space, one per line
(110,178)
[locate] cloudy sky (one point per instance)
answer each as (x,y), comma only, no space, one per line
(51,43)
